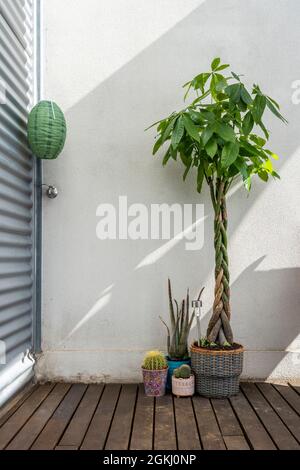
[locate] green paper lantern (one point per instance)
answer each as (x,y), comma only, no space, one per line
(46,130)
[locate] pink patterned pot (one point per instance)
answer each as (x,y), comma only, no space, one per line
(155,382)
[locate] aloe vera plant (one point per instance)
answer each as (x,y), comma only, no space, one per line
(180,325)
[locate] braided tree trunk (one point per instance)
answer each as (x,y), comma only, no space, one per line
(219,329)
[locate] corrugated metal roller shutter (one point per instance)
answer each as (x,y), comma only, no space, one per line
(16,187)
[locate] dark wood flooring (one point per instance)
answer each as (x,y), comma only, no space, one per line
(116,417)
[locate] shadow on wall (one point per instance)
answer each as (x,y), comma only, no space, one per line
(265,307)
(108,154)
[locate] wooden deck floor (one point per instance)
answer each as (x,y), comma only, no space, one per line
(117,417)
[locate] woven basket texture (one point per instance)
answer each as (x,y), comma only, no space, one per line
(217,372)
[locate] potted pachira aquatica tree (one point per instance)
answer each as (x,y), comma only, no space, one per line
(222,135)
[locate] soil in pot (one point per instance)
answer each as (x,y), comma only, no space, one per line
(217,347)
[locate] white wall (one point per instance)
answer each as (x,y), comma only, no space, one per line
(115,67)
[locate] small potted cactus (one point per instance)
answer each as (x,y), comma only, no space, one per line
(155,372)
(183,382)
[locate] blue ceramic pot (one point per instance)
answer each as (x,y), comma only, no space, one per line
(174,364)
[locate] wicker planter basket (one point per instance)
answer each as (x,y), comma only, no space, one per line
(217,372)
(183,387)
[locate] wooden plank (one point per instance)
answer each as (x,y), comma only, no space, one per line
(280,434)
(119,435)
(49,437)
(290,395)
(27,435)
(9,409)
(142,431)
(210,434)
(13,425)
(282,408)
(186,426)
(256,433)
(295,387)
(76,430)
(96,435)
(227,420)
(236,443)
(164,433)
(66,448)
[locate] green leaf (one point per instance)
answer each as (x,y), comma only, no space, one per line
(168,130)
(191,129)
(273,155)
(211,147)
(173,153)
(188,167)
(157,145)
(259,106)
(188,90)
(250,149)
(185,158)
(257,140)
(274,102)
(234,92)
(222,67)
(195,116)
(199,81)
(177,132)
(229,153)
(202,97)
(215,63)
(268,166)
(208,115)
(220,82)
(263,175)
(274,110)
(232,171)
(166,157)
(225,131)
(275,175)
(235,76)
(200,178)
(221,97)
(152,125)
(265,131)
(245,95)
(248,123)
(242,106)
(243,169)
(206,135)
(247,183)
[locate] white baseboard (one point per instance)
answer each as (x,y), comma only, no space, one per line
(124,365)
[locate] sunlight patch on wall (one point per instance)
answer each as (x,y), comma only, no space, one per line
(102,302)
(113,32)
(156,255)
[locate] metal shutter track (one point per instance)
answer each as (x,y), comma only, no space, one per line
(16,180)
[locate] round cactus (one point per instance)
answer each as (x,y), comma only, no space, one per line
(155,360)
(183,372)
